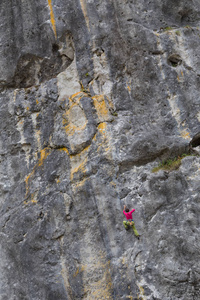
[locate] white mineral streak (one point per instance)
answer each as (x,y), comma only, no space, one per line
(66,48)
(64,271)
(36,132)
(173,99)
(20,128)
(101,83)
(68,82)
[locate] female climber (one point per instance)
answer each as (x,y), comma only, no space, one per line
(129,221)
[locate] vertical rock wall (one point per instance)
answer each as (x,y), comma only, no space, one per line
(94,94)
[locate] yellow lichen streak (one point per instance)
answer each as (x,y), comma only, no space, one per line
(64,271)
(43,155)
(101,287)
(37,132)
(102,128)
(64,149)
(128,87)
(101,107)
(185,134)
(74,119)
(79,270)
(78,162)
(53,22)
(141,295)
(104,144)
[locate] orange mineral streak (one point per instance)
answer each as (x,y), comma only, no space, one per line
(78,162)
(81,168)
(128,87)
(74,96)
(43,155)
(104,144)
(71,128)
(53,22)
(102,129)
(79,270)
(64,149)
(185,134)
(33,199)
(101,288)
(101,108)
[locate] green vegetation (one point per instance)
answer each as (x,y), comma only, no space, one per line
(170,164)
(168,28)
(87,74)
(114,113)
(87,91)
(178,32)
(174,64)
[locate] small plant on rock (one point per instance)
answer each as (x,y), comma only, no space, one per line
(188,27)
(167,28)
(114,113)
(174,64)
(170,164)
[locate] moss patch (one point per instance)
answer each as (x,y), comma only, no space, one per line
(170,164)
(178,32)
(168,28)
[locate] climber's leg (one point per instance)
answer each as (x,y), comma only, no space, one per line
(134,229)
(126,225)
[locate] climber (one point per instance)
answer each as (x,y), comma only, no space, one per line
(130,221)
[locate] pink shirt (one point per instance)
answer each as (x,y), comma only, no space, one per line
(129,214)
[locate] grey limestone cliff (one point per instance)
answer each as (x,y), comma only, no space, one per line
(93,95)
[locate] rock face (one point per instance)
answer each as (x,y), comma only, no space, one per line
(94,94)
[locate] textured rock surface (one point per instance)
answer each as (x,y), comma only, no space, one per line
(93,95)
